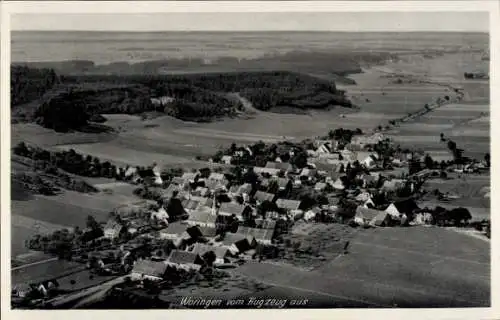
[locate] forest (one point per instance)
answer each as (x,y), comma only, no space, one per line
(65,103)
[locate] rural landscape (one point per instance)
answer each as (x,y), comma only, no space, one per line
(198,170)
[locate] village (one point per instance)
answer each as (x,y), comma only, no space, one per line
(209,221)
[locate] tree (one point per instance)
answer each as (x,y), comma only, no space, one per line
(92,224)
(429,163)
(487,159)
(459,216)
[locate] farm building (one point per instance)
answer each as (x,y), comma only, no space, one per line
(269,171)
(238,243)
(202,218)
(268,224)
(190,205)
(320,186)
(338,184)
(185,260)
(208,232)
(284,166)
(226,159)
(201,191)
(189,177)
(369,217)
(261,196)
(147,269)
(309,173)
(406,207)
(288,205)
(393,184)
(236,209)
(173,232)
(221,253)
(113,230)
(262,236)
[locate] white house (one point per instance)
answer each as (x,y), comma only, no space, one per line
(338,184)
(147,269)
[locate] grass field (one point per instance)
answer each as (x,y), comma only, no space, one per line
(410,267)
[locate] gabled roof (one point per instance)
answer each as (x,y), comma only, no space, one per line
(216,176)
(271,171)
(150,268)
(181,257)
(186,176)
(285,166)
(174,228)
(308,172)
(113,225)
(202,216)
(231,208)
(169,192)
(288,204)
(232,238)
(258,234)
(201,249)
(320,186)
(406,206)
(263,196)
(189,204)
(366,213)
(208,232)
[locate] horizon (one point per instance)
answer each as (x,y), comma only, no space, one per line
(256,22)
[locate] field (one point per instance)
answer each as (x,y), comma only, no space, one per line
(412,267)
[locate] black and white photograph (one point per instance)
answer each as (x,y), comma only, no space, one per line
(249,160)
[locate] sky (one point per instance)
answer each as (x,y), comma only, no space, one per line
(257,21)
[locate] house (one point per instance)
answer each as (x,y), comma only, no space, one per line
(324,148)
(202,218)
(174,232)
(369,180)
(365,216)
(348,155)
(264,170)
(320,186)
(288,205)
(238,243)
(231,208)
(208,232)
(170,191)
(22,290)
(219,177)
(281,166)
(338,184)
(201,191)
(422,218)
(138,226)
(367,159)
(189,177)
(244,190)
(262,236)
(113,230)
(267,224)
(226,159)
(261,196)
(393,184)
(185,260)
(309,173)
(148,269)
(190,205)
(381,219)
(404,207)
(221,253)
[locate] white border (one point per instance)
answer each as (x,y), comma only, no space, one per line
(7,8)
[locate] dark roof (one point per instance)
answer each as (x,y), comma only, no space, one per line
(406,206)
(178,256)
(263,196)
(150,268)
